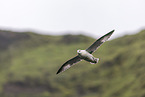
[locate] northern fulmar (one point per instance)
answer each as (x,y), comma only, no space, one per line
(86,54)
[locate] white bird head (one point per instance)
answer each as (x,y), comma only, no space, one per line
(78,51)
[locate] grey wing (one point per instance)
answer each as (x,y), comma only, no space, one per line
(98,42)
(68,64)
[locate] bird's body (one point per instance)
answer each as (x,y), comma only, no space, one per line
(86,54)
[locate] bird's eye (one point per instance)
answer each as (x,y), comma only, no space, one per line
(79,51)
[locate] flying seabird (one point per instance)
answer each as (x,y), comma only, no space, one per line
(86,54)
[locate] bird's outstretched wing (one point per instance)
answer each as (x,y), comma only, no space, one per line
(68,64)
(98,42)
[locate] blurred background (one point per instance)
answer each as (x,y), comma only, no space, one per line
(38,36)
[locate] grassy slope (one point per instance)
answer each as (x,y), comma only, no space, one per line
(29,70)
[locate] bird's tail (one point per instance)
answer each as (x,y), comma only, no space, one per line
(96,60)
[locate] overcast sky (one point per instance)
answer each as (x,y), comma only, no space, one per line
(94,17)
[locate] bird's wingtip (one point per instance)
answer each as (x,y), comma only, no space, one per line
(109,33)
(57,72)
(112,30)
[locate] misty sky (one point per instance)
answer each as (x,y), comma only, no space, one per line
(94,17)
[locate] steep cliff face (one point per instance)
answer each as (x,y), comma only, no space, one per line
(7,38)
(31,69)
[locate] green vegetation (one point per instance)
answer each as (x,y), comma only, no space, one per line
(29,62)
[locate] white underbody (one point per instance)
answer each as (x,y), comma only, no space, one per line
(87,56)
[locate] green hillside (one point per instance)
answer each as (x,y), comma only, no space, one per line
(29,62)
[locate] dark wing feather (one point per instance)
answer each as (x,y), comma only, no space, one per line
(98,42)
(68,64)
